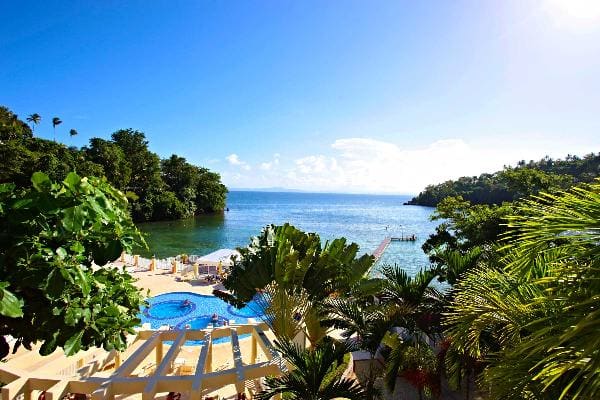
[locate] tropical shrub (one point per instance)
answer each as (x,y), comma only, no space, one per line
(51,237)
(296,269)
(534,319)
(314,374)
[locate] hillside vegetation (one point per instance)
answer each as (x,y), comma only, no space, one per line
(157,189)
(513,183)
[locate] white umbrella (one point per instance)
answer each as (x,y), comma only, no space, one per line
(222,257)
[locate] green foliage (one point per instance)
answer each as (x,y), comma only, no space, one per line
(11,127)
(414,360)
(465,227)
(112,160)
(34,119)
(470,225)
(534,319)
(51,236)
(453,264)
(171,189)
(314,374)
(546,175)
(299,273)
(297,260)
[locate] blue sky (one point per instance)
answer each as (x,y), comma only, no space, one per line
(340,96)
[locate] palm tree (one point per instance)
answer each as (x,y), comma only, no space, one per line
(300,265)
(55,121)
(455,263)
(73,132)
(313,374)
(364,323)
(534,319)
(412,358)
(409,303)
(415,307)
(417,304)
(34,119)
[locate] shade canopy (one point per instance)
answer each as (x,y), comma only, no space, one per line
(222,256)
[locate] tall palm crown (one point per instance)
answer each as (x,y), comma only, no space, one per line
(310,378)
(73,132)
(55,121)
(34,119)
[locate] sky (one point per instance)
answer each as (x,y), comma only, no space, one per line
(338,96)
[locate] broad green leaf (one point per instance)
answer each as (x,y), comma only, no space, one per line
(41,182)
(55,283)
(49,345)
(10,305)
(82,280)
(73,218)
(72,180)
(73,344)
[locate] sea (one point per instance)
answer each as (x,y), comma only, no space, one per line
(364,219)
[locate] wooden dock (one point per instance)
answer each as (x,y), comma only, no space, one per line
(381,248)
(410,238)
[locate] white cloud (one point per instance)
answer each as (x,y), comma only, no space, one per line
(234,159)
(365,165)
(268,165)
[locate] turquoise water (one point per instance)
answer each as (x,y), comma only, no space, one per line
(360,218)
(198,313)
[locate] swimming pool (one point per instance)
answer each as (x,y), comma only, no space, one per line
(197,313)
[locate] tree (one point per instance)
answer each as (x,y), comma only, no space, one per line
(176,190)
(50,236)
(11,127)
(364,323)
(310,377)
(466,226)
(145,165)
(181,178)
(533,319)
(415,307)
(412,358)
(297,263)
(55,122)
(510,184)
(111,157)
(35,119)
(210,192)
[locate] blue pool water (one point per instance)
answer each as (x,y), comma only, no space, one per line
(170,309)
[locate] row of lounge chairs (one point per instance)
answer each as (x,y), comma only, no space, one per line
(188,276)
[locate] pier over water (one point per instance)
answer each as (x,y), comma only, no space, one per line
(381,248)
(386,242)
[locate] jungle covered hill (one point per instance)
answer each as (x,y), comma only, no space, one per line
(512,183)
(157,189)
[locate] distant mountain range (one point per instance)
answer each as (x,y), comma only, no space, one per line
(285,190)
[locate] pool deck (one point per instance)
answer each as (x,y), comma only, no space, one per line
(161,281)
